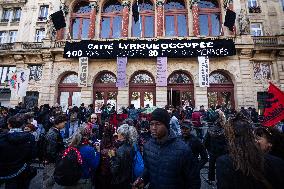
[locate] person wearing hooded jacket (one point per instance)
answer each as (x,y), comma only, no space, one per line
(17,149)
(168,161)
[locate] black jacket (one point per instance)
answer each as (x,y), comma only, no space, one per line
(215,141)
(197,149)
(16,149)
(121,165)
(170,165)
(228,178)
(54,144)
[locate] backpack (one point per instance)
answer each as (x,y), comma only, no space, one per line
(138,164)
(212,116)
(41,147)
(68,170)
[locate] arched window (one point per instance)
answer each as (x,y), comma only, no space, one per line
(221,90)
(142,89)
(80,20)
(176,18)
(144,27)
(209,17)
(180,89)
(111,21)
(69,94)
(105,90)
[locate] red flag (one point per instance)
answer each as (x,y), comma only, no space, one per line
(274,108)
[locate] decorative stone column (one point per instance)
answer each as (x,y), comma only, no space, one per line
(195,15)
(94,6)
(160,17)
(125,18)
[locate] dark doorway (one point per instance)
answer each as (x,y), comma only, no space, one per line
(174,98)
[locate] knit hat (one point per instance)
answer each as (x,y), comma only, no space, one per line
(161,115)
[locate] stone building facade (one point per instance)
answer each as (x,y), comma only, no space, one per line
(236,81)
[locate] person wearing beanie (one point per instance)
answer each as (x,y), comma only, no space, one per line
(168,161)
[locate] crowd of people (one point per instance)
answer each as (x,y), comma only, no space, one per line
(162,149)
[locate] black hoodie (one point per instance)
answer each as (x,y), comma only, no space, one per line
(16,149)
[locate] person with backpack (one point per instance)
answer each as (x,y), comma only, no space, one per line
(17,150)
(77,166)
(73,121)
(168,161)
(121,159)
(54,146)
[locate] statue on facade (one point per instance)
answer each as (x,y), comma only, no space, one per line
(244,22)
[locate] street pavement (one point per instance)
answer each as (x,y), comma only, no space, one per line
(36,183)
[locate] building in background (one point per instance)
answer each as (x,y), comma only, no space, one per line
(28,41)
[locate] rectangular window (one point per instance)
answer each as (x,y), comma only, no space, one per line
(262,71)
(149,26)
(105,28)
(43,13)
(256,29)
(252,3)
(12,36)
(40,34)
(203,23)
(170,26)
(4,72)
(6,15)
(85,28)
(182,23)
(116,27)
(17,14)
(3,36)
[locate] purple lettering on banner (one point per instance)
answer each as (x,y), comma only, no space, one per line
(162,72)
(121,72)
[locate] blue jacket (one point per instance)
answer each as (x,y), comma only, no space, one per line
(90,158)
(170,165)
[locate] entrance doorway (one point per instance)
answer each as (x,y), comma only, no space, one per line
(142,90)
(221,90)
(180,89)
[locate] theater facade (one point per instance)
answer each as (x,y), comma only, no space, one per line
(235,80)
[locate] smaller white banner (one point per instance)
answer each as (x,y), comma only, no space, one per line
(23,76)
(83,71)
(203,71)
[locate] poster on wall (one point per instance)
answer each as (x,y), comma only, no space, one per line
(134,48)
(12,77)
(83,71)
(203,71)
(162,73)
(121,72)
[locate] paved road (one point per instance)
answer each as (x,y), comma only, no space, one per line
(36,183)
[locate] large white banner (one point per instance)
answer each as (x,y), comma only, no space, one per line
(23,76)
(83,72)
(203,71)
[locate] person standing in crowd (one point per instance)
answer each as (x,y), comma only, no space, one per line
(94,127)
(196,120)
(245,166)
(254,116)
(105,114)
(194,143)
(215,143)
(270,141)
(73,121)
(121,160)
(44,119)
(3,120)
(104,175)
(174,123)
(17,150)
(82,114)
(168,161)
(90,157)
(54,148)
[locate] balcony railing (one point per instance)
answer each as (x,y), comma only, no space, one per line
(41,19)
(6,46)
(265,41)
(256,9)
(15,20)
(4,20)
(59,44)
(35,45)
